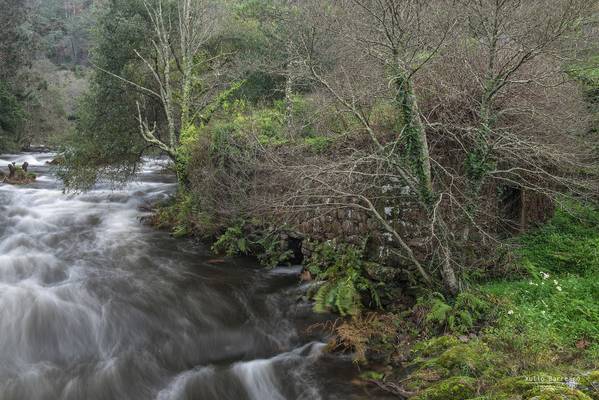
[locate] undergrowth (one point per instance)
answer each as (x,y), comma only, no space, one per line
(243,238)
(182,217)
(467,312)
(345,285)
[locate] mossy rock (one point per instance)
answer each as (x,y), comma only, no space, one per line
(471,359)
(555,392)
(511,386)
(21,177)
(520,388)
(380,272)
(435,346)
(457,387)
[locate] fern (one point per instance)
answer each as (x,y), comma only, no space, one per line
(232,242)
(271,252)
(460,317)
(339,296)
(439,312)
(247,238)
(342,269)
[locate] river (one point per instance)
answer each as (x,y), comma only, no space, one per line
(96,305)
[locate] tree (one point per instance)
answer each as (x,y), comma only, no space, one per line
(176,90)
(170,77)
(64,29)
(397,39)
(465,124)
(513,48)
(16,51)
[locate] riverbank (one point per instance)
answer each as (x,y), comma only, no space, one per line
(530,332)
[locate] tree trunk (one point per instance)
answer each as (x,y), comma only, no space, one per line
(12,170)
(414,134)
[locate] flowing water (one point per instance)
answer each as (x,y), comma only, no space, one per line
(95,305)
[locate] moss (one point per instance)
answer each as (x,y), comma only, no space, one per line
(435,346)
(590,378)
(590,384)
(381,273)
(468,359)
(458,387)
(555,392)
(446,355)
(424,377)
(495,397)
(512,385)
(519,386)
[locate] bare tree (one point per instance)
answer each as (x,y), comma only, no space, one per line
(178,41)
(481,100)
(510,48)
(398,39)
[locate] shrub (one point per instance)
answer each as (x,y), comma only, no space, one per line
(318,144)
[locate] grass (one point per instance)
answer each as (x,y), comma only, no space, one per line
(558,305)
(568,244)
(560,314)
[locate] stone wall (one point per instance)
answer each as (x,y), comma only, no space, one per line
(354,225)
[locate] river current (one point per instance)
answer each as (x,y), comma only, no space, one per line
(96,305)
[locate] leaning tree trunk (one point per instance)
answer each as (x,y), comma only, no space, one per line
(414,134)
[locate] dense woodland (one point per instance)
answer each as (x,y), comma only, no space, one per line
(43,54)
(433,163)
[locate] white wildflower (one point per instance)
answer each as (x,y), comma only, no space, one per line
(544,275)
(555,282)
(559,288)
(510,312)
